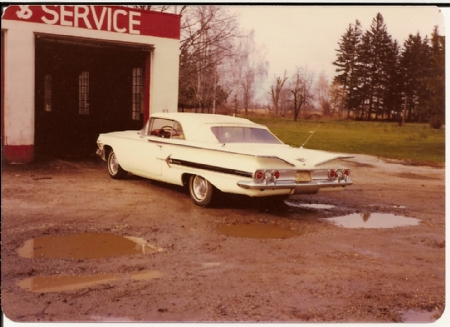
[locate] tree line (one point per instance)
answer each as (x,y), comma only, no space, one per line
(220,64)
(376,79)
(379,79)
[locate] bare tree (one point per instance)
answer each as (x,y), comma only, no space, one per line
(216,59)
(161,8)
(300,88)
(207,33)
(275,91)
(323,95)
(252,67)
(337,97)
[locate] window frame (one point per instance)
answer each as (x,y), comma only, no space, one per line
(48,93)
(83,93)
(137,93)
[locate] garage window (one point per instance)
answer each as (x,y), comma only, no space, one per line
(83,93)
(138,94)
(48,92)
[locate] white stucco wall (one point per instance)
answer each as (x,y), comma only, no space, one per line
(19,87)
(165,67)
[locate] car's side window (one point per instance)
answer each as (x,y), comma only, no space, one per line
(165,128)
(177,132)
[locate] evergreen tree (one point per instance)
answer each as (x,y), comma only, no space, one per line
(435,83)
(347,66)
(393,94)
(379,80)
(414,66)
(377,48)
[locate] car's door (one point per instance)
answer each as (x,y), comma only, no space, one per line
(149,155)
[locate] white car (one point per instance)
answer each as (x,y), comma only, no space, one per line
(208,152)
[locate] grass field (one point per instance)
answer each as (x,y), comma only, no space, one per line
(416,143)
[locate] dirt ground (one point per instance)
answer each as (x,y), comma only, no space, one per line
(199,273)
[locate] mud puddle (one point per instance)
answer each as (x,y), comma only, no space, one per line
(82,246)
(372,220)
(85,246)
(59,283)
(257,231)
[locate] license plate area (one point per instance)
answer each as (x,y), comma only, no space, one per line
(302,176)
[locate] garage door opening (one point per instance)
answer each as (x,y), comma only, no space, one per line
(84,88)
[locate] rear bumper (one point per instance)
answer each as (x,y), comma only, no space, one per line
(307,187)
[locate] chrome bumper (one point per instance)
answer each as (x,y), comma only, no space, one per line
(101,153)
(280,185)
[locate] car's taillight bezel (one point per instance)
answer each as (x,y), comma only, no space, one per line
(266,175)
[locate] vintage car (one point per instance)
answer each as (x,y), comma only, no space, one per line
(209,153)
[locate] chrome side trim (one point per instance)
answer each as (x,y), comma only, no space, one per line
(171,161)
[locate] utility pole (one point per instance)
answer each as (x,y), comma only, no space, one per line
(404,111)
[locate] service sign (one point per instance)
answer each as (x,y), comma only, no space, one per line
(102,18)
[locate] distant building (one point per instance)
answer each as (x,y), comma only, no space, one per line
(72,72)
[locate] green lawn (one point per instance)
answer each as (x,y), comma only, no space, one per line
(416,143)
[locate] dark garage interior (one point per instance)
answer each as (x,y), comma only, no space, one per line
(84,88)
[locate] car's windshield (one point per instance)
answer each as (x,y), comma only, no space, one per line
(237,134)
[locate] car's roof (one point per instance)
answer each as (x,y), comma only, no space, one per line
(197,127)
(201,118)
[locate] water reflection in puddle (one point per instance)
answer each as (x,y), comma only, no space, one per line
(372,220)
(84,246)
(317,206)
(59,283)
(257,231)
(46,284)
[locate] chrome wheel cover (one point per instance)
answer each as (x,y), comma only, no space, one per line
(113,164)
(199,188)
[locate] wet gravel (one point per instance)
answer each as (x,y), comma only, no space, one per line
(315,272)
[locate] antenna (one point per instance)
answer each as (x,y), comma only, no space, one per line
(311,135)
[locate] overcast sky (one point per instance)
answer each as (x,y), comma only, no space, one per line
(299,36)
(309,35)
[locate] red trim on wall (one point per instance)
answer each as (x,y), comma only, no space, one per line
(18,153)
(116,19)
(147,87)
(3,88)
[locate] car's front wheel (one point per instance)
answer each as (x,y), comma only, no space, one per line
(114,168)
(201,191)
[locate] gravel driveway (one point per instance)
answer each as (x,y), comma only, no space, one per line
(242,261)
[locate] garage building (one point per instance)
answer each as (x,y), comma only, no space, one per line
(72,72)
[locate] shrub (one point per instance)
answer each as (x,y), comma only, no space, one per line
(436,122)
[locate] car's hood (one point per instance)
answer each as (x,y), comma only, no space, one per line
(299,157)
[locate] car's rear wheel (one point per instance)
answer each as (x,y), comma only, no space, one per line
(201,191)
(114,168)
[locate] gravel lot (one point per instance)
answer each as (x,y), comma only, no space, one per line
(241,261)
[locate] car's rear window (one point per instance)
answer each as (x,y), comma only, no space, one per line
(237,134)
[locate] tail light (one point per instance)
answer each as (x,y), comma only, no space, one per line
(266,175)
(332,174)
(259,175)
(338,173)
